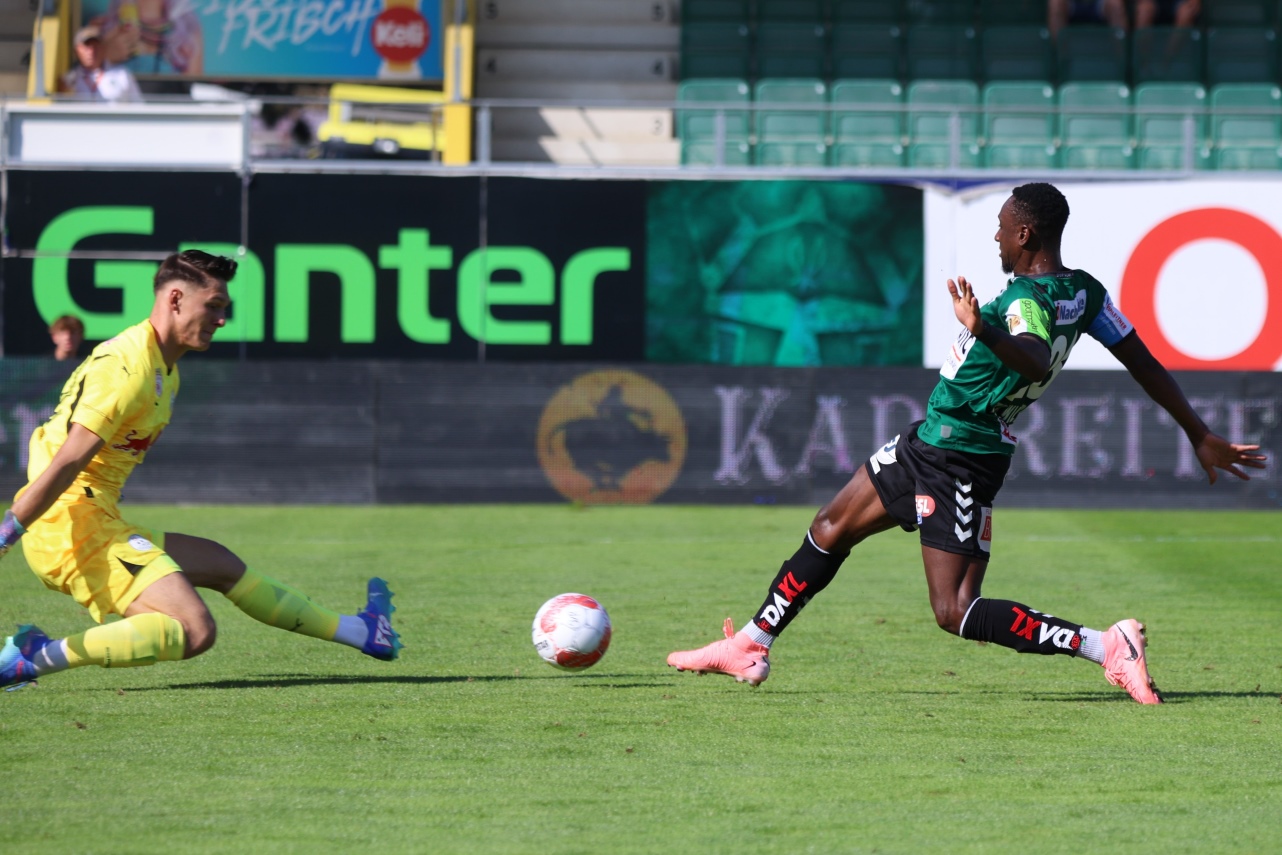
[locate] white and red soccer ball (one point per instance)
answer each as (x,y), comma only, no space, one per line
(571,631)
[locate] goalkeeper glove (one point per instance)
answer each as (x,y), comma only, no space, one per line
(10,532)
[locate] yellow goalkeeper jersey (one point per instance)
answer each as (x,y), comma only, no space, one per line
(124,393)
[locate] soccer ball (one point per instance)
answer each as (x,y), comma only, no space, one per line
(571,631)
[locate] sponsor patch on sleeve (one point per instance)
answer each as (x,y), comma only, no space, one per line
(1025,316)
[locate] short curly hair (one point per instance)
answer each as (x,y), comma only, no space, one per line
(1044,208)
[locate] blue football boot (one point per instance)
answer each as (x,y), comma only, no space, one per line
(383,642)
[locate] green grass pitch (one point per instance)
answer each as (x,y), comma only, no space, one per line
(876,732)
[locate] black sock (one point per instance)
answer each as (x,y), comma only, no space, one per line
(1020,628)
(805,574)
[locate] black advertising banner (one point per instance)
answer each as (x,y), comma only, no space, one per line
(360,432)
(344,266)
(56,213)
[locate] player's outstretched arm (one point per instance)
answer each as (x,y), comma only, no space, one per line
(1027,354)
(74,455)
(1213,451)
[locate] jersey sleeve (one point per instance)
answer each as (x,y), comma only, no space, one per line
(1110,325)
(107,390)
(1023,313)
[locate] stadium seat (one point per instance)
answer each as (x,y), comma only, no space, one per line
(999,155)
(1241,55)
(1095,126)
(790,49)
(704,153)
(940,11)
(804,11)
(866,12)
(933,108)
(1087,52)
(1246,125)
(1016,52)
(941,52)
(715,49)
(1239,13)
(1022,113)
(867,50)
(867,124)
(774,125)
(1008,12)
(867,137)
(1172,54)
(714,10)
(1169,119)
(700,124)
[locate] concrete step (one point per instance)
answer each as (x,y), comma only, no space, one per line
(638,125)
(587,152)
(603,65)
(579,11)
(591,90)
(579,35)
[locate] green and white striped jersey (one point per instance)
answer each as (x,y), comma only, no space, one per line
(978,397)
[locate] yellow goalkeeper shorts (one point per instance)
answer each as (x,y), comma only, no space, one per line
(83,548)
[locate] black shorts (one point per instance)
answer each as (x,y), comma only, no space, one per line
(947,495)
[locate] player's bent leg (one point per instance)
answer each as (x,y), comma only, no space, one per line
(954,582)
(174,597)
(208,564)
(143,639)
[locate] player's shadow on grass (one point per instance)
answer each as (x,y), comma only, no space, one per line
(1168,697)
(279,681)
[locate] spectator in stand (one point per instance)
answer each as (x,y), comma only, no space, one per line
(94,78)
(1166,13)
(1062,12)
(68,333)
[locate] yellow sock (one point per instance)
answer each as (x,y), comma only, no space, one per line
(139,640)
(276,604)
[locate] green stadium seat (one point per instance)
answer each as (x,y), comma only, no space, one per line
(1021,113)
(1016,52)
(1007,12)
(867,124)
(1241,55)
(796,153)
(714,10)
(932,105)
(867,154)
(1088,52)
(1239,13)
(781,124)
(805,11)
(999,155)
(700,124)
(866,12)
(715,49)
(790,49)
(867,50)
(704,153)
(1162,115)
(1094,115)
(1172,54)
(941,52)
(1097,156)
(938,155)
(940,11)
(1246,125)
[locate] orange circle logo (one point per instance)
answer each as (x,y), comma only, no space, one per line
(611,437)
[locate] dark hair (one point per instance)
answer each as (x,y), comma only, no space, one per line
(70,323)
(199,268)
(1044,208)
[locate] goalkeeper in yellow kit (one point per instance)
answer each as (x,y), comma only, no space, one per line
(111,411)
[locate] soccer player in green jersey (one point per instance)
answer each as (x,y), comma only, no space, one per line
(113,408)
(940,476)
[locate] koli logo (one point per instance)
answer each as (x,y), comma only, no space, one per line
(611,437)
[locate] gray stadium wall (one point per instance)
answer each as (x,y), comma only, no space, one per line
(362,431)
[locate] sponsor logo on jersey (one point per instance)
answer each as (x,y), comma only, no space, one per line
(1068,311)
(1008,437)
(134,444)
(160,383)
(957,354)
(1015,324)
(925,507)
(140,543)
